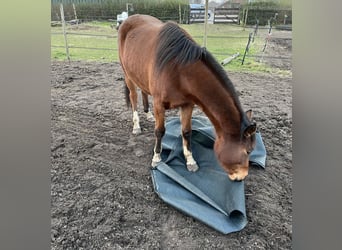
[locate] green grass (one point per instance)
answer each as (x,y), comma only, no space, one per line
(223,41)
(106,40)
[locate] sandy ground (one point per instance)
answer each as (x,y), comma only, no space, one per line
(101,188)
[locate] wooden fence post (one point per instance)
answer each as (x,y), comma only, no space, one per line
(205,24)
(73,6)
(64,32)
(245,22)
(180,14)
(255,29)
(247,47)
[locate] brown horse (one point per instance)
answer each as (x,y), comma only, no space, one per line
(165,62)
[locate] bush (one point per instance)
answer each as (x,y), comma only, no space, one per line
(109,9)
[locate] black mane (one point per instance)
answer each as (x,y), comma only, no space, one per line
(177,47)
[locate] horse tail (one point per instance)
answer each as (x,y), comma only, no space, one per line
(128,100)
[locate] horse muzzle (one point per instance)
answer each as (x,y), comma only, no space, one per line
(238,176)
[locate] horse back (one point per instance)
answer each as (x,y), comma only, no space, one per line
(137,37)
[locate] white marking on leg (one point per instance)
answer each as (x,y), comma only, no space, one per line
(156,159)
(136,123)
(149,116)
(190,162)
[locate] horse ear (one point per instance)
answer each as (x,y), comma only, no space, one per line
(250,130)
(249,114)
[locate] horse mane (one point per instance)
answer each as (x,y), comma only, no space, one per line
(176,46)
(222,75)
(226,83)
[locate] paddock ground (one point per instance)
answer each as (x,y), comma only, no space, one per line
(101,189)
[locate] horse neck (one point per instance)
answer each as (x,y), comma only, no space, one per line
(220,105)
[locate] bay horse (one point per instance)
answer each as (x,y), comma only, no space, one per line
(165,62)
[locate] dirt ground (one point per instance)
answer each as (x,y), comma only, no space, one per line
(278,51)
(101,188)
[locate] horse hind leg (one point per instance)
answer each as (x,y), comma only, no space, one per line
(136,123)
(186,113)
(133,97)
(149,115)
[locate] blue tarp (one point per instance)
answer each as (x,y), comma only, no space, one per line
(208,194)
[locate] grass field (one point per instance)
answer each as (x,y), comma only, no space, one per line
(222,41)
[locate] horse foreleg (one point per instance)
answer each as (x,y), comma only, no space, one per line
(186,113)
(159,133)
(149,115)
(133,96)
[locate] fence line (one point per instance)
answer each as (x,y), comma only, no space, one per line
(66,33)
(77,47)
(227,15)
(85,34)
(115,36)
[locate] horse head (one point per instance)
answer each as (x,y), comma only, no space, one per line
(233,151)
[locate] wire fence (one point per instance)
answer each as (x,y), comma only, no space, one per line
(69,27)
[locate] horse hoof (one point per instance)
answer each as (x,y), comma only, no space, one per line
(192,167)
(150,117)
(136,131)
(154,164)
(155,160)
